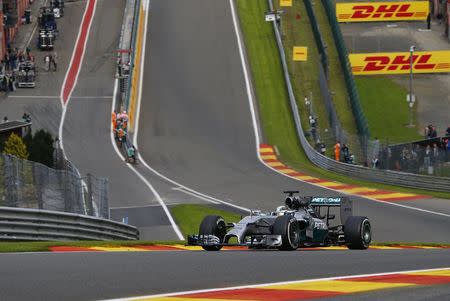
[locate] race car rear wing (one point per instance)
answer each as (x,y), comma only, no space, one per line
(345,204)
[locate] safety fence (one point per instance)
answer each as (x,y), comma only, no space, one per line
(321,135)
(321,47)
(19,224)
(351,170)
(361,122)
(28,184)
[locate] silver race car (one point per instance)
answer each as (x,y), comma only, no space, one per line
(301,222)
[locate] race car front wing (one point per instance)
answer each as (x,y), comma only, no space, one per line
(261,241)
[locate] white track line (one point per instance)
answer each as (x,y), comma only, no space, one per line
(256,126)
(274,283)
(192,192)
(146,182)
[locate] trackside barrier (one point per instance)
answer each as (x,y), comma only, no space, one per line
(19,224)
(355,171)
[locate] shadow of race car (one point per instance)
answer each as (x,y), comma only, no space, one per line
(301,222)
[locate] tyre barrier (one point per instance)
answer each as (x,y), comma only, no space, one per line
(20,224)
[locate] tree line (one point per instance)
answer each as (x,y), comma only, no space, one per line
(38,147)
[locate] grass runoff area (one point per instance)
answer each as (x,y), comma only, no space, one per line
(384,104)
(188,218)
(277,122)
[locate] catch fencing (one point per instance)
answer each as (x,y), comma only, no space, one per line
(28,184)
(361,122)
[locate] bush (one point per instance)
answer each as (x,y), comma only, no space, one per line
(16,147)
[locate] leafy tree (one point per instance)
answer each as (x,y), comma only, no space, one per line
(41,148)
(15,146)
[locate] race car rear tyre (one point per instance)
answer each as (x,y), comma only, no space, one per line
(213,225)
(289,229)
(357,233)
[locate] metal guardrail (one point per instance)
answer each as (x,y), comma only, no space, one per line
(20,224)
(355,171)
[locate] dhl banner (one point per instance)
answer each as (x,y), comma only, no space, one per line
(382,11)
(399,62)
(285,2)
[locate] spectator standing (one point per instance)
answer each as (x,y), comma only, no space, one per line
(433,132)
(345,153)
(337,151)
(427,160)
(435,153)
(448,149)
(447,132)
(47,62)
(375,162)
(54,60)
(114,120)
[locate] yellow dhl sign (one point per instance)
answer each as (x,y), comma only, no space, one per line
(300,53)
(285,2)
(399,62)
(382,11)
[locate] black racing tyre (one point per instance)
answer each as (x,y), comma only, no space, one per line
(289,229)
(357,233)
(213,225)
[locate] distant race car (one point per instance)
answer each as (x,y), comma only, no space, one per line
(299,223)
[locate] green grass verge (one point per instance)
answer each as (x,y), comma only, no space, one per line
(6,247)
(189,216)
(277,122)
(385,107)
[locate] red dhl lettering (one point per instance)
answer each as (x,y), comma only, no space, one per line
(385,11)
(378,63)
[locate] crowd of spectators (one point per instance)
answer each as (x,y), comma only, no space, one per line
(9,67)
(422,156)
(417,157)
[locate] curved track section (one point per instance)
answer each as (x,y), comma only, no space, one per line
(196,124)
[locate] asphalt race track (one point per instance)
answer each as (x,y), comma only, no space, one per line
(89,276)
(196,124)
(196,128)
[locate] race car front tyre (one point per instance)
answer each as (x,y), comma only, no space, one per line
(289,229)
(213,225)
(357,233)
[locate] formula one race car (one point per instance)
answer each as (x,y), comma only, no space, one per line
(300,223)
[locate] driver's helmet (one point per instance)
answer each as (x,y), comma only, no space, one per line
(280,210)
